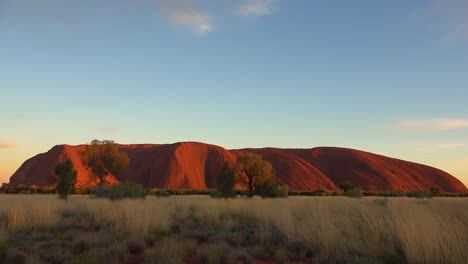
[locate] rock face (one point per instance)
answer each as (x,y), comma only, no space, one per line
(191,165)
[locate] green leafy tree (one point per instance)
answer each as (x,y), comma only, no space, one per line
(254,173)
(226,180)
(67,177)
(104,158)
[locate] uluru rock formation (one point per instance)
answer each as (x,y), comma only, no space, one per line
(191,165)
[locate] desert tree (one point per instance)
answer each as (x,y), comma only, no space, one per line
(226,180)
(67,177)
(104,158)
(254,173)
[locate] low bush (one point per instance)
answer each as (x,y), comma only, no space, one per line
(355,193)
(120,191)
(276,191)
(370,193)
(163,193)
(319,192)
(159,192)
(392,194)
(419,194)
(190,192)
(217,194)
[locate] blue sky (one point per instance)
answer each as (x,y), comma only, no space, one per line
(382,76)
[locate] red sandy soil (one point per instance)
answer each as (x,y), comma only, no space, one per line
(191,165)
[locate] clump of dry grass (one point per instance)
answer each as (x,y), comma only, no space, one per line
(308,229)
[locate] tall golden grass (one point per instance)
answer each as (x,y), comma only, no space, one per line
(423,231)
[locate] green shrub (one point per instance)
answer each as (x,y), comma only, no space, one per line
(217,194)
(370,193)
(225,181)
(190,192)
(121,191)
(100,192)
(126,190)
(419,194)
(319,192)
(392,194)
(67,178)
(355,193)
(276,191)
(163,193)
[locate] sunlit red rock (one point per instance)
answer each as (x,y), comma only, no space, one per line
(191,165)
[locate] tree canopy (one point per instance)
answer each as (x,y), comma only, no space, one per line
(104,158)
(67,177)
(254,173)
(226,180)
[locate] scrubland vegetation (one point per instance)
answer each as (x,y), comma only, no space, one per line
(200,229)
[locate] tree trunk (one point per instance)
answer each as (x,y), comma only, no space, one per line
(250,194)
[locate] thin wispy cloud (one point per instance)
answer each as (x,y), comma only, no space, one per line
(6,145)
(196,20)
(194,15)
(449,145)
(255,8)
(75,13)
(431,125)
(451,16)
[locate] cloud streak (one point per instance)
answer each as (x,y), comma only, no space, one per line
(452,17)
(431,125)
(255,8)
(196,20)
(76,13)
(7,145)
(449,145)
(189,14)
